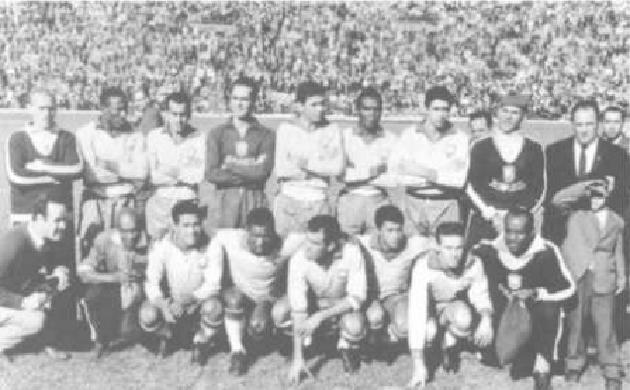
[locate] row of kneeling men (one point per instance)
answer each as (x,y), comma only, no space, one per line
(364,292)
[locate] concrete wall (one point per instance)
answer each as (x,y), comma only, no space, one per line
(11,120)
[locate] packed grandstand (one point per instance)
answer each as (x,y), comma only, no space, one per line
(553,51)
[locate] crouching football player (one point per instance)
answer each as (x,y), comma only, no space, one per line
(390,255)
(448,297)
(193,283)
(255,260)
(326,289)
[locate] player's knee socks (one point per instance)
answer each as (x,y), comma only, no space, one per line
(234,331)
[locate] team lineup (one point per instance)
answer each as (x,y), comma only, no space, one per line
(440,240)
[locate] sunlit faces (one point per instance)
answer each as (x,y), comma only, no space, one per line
(509,118)
(260,239)
(612,124)
(438,113)
(241,102)
(451,250)
(42,110)
(391,236)
(187,230)
(369,113)
(177,116)
(314,109)
(585,125)
(518,233)
(54,222)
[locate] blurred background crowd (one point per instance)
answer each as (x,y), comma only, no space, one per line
(555,51)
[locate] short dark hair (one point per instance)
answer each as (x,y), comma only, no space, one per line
(327,224)
(614,109)
(185,207)
(369,93)
(449,228)
(482,114)
(55,195)
(179,98)
(260,216)
(388,213)
(247,82)
(521,211)
(438,92)
(110,92)
(309,89)
(583,105)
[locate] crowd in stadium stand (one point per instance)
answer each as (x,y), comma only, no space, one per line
(478,50)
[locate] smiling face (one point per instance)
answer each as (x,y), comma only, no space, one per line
(518,233)
(509,119)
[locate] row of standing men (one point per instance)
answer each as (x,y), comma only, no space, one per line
(425,171)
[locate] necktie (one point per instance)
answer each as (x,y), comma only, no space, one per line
(582,162)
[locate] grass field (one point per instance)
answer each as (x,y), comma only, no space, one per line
(137,368)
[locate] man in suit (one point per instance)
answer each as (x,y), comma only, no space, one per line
(593,251)
(579,158)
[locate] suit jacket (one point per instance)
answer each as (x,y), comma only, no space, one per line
(587,243)
(610,160)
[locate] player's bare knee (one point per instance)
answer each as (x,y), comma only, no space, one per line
(211,312)
(281,314)
(352,326)
(375,315)
(399,322)
(150,317)
(33,322)
(460,319)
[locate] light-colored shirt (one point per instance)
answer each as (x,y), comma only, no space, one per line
(473,280)
(344,277)
(323,150)
(363,155)
(255,276)
(98,147)
(174,162)
(508,145)
(187,273)
(393,275)
(590,152)
(448,156)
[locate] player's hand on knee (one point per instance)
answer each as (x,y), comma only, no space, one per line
(484,332)
(307,327)
(62,273)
